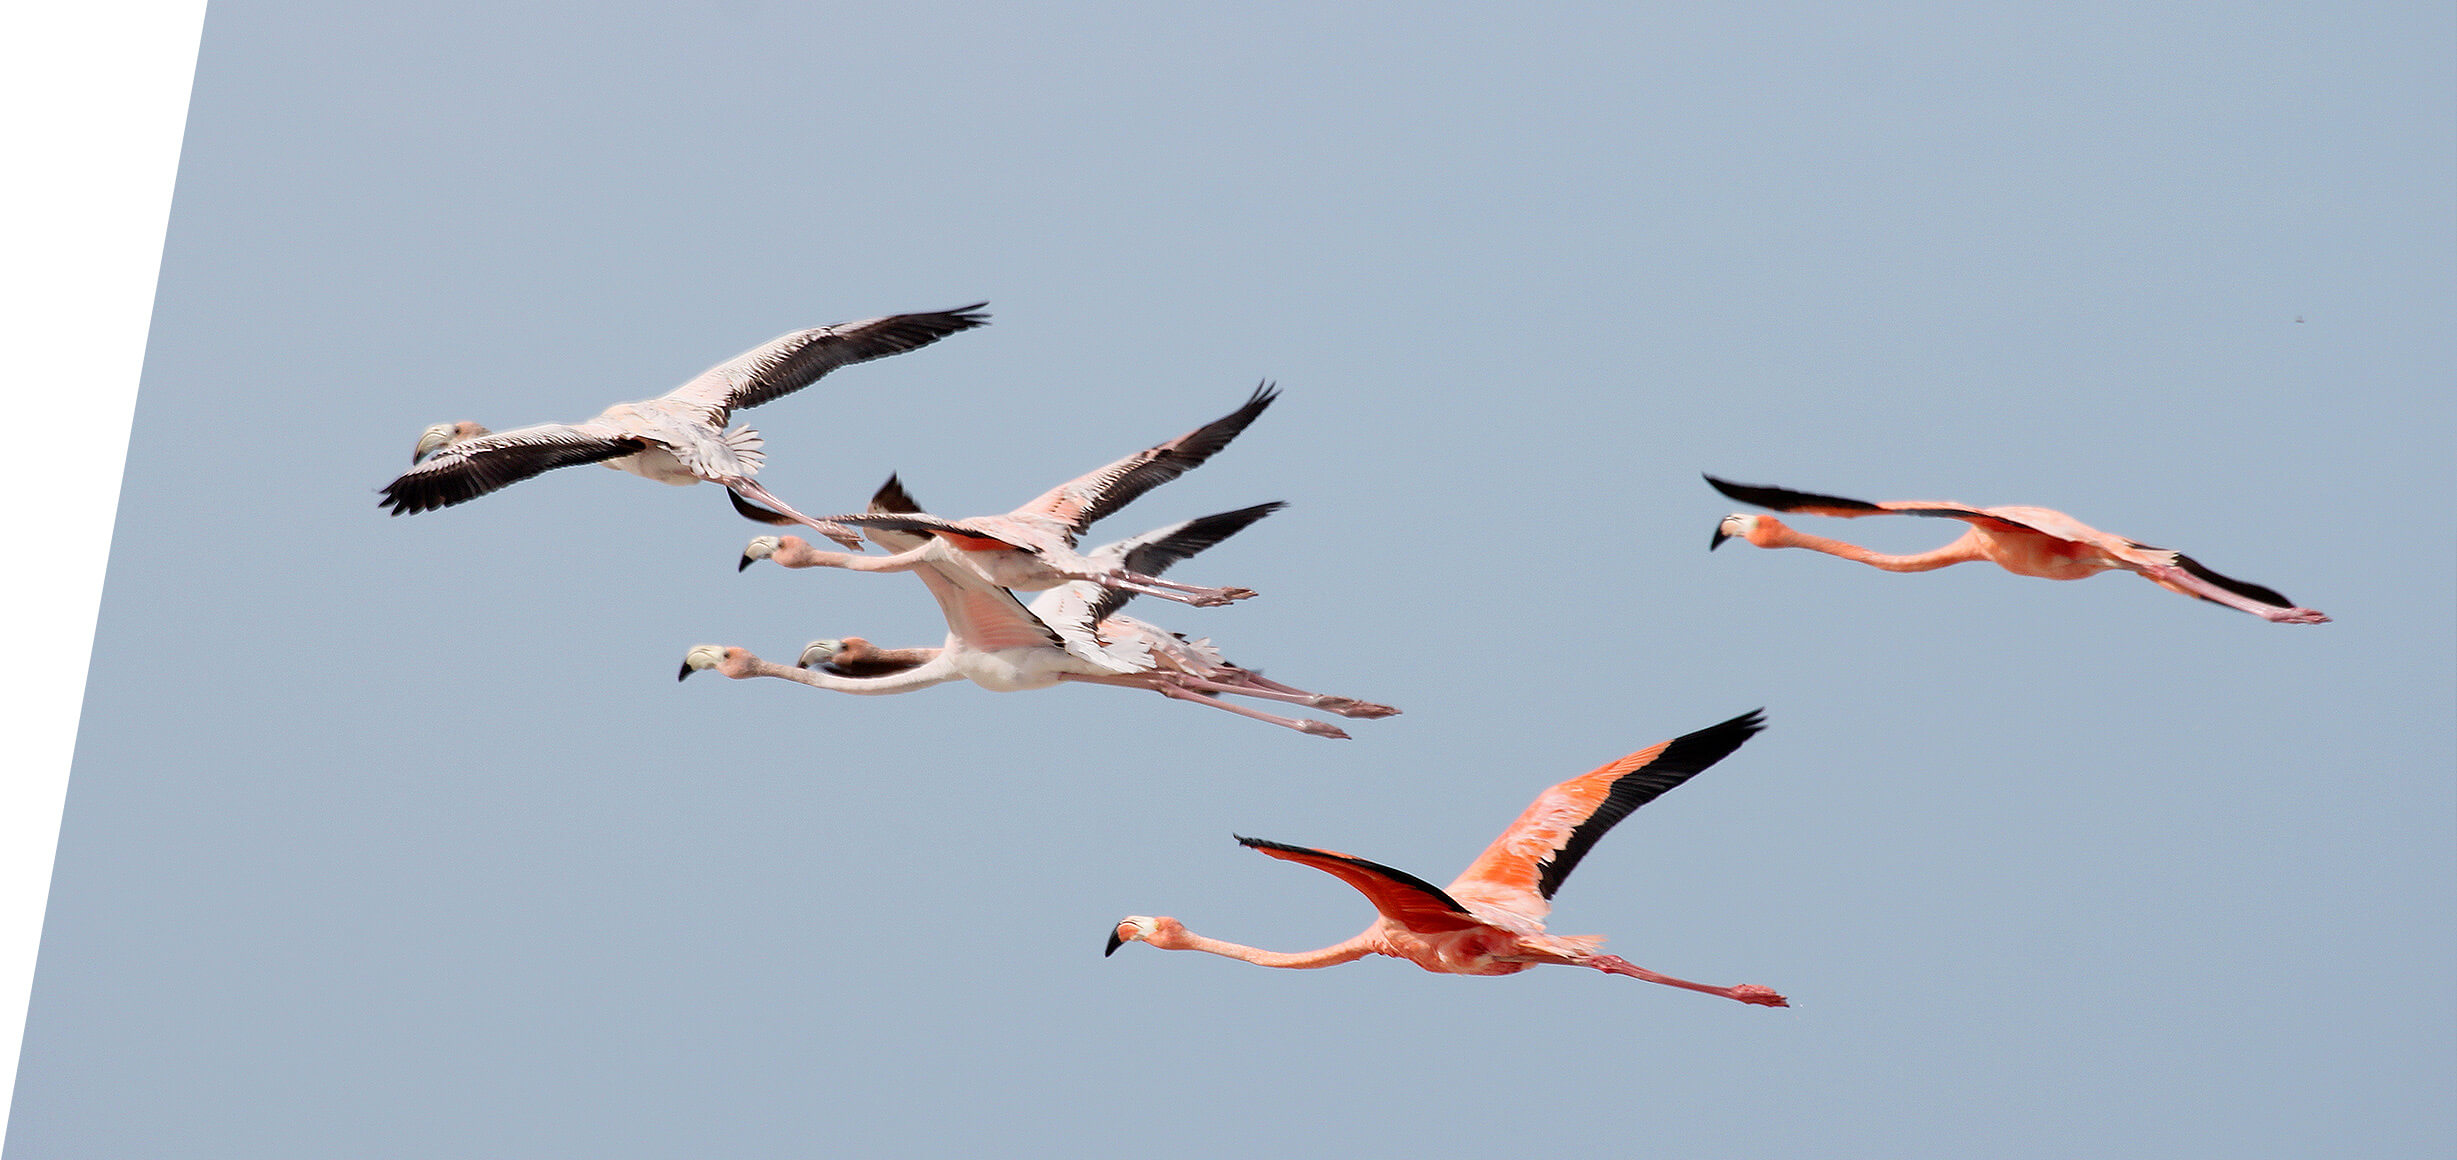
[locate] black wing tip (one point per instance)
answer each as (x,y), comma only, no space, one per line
(1218,526)
(892,498)
(399,500)
(1783,499)
(1704,747)
(2239,587)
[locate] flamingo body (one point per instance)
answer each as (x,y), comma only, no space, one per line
(2027,541)
(1490,921)
(677,438)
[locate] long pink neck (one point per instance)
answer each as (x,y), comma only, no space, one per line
(1773,534)
(803,555)
(1330,956)
(934,672)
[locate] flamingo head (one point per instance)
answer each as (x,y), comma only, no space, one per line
(707,656)
(1142,928)
(443,435)
(1733,525)
(760,548)
(818,653)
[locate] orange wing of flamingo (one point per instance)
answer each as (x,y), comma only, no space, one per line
(1402,897)
(1523,867)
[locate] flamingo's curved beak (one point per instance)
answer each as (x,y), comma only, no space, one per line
(745,564)
(1115,941)
(1720,537)
(430,441)
(685,673)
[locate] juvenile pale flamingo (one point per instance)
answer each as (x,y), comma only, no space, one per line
(2028,541)
(1069,634)
(1491,920)
(677,438)
(1033,547)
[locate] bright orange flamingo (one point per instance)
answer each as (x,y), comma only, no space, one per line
(1491,921)
(2027,541)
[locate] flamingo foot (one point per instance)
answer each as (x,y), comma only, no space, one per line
(2296,616)
(1351,707)
(1762,996)
(1322,729)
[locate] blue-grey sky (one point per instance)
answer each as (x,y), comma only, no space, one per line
(397,836)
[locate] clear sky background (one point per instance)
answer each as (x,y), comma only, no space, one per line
(397,836)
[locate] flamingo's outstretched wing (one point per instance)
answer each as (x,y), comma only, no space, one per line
(463,471)
(1402,897)
(793,361)
(1809,503)
(1523,867)
(1151,554)
(1082,501)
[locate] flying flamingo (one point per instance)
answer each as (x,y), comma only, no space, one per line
(1033,547)
(1491,920)
(677,438)
(2027,541)
(1069,634)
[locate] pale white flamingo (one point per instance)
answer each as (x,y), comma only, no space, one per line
(1033,547)
(1490,921)
(677,438)
(2027,541)
(1069,634)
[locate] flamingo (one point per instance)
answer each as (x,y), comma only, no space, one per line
(2027,541)
(1068,634)
(1491,920)
(677,438)
(1033,547)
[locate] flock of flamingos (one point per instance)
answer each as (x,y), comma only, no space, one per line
(1490,920)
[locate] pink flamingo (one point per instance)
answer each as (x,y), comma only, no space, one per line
(1033,547)
(2028,541)
(1491,920)
(1069,634)
(677,438)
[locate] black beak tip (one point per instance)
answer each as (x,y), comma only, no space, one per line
(686,671)
(1720,537)
(1114,943)
(744,565)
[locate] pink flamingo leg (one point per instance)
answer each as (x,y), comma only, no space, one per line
(1746,992)
(750,489)
(1167,685)
(1250,681)
(1163,589)
(1344,706)
(2179,580)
